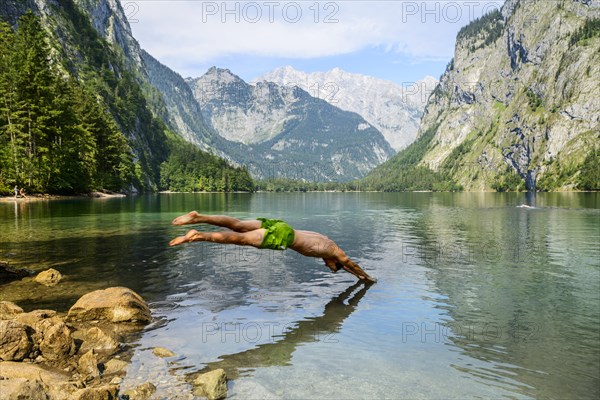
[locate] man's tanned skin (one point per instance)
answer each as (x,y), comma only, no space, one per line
(250,233)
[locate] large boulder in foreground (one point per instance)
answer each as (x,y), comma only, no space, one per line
(29,381)
(21,388)
(116,304)
(57,342)
(141,392)
(51,336)
(98,340)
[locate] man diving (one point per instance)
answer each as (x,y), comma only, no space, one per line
(274,234)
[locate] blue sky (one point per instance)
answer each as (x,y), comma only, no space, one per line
(401,41)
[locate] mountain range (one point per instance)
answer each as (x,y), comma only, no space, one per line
(274,130)
(395,110)
(287,132)
(517,108)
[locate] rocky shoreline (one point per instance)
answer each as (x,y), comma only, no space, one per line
(83,354)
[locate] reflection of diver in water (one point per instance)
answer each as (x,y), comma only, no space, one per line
(310,330)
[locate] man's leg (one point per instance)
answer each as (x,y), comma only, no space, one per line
(224,221)
(253,238)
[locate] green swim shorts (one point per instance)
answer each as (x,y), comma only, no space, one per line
(279,235)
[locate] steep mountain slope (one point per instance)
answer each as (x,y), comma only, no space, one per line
(183,113)
(518,107)
(109,20)
(169,97)
(393,109)
(288,132)
(224,114)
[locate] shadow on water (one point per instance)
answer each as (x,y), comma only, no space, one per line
(309,330)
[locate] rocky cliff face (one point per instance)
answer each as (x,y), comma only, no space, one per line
(393,109)
(241,112)
(183,112)
(108,18)
(287,132)
(275,131)
(264,126)
(168,95)
(520,98)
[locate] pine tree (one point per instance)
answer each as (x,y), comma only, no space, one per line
(34,83)
(9,147)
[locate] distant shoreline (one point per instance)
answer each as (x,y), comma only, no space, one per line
(47,197)
(172,192)
(101,195)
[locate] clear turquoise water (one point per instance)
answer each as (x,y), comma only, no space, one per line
(477,298)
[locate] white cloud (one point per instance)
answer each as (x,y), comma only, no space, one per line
(195,32)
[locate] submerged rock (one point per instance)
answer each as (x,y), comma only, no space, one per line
(162,352)
(115,366)
(141,392)
(49,277)
(9,274)
(117,304)
(212,385)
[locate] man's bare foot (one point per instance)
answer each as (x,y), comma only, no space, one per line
(184,239)
(189,218)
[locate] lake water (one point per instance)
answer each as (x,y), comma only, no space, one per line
(477,298)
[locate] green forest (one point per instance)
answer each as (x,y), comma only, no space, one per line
(55,136)
(190,170)
(403,172)
(62,128)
